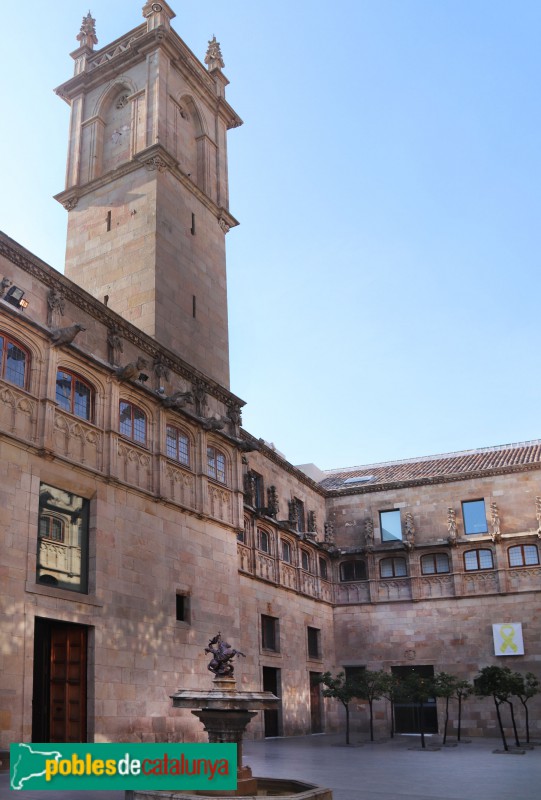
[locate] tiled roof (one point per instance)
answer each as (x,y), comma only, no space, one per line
(430,468)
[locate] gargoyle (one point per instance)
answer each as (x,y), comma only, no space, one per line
(178,400)
(214,423)
(66,335)
(132,371)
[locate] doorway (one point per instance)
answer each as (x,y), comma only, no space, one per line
(271,716)
(316,725)
(407,716)
(59,700)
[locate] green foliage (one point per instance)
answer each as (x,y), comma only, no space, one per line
(496,682)
(338,687)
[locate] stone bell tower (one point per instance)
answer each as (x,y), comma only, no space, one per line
(147,186)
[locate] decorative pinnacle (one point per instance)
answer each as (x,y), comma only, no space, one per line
(213,58)
(87,35)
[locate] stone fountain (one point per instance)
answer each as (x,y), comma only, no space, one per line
(225,713)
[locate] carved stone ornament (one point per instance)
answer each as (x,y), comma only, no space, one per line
(66,335)
(312,522)
(178,400)
(161,370)
(495,533)
(213,58)
(122,101)
(249,488)
(132,371)
(156,163)
(538,515)
(56,303)
(224,225)
(200,398)
(409,531)
(183,113)
(214,423)
(114,344)
(369,533)
(222,657)
(329,532)
(234,415)
(451,527)
(410,655)
(272,502)
(87,35)
(70,203)
(293,513)
(5,284)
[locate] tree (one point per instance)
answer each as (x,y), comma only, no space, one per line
(370,686)
(445,687)
(463,689)
(390,689)
(342,690)
(526,687)
(496,682)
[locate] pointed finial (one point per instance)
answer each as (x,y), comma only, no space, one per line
(87,35)
(214,59)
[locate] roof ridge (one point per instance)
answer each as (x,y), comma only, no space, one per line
(436,456)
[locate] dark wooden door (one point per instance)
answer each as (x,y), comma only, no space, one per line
(60,685)
(271,683)
(315,703)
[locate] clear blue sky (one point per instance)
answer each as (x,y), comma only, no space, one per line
(384,290)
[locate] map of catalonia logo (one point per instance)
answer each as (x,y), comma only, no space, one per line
(123,766)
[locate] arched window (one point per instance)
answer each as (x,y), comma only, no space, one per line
(478,559)
(323,568)
(523,555)
(393,568)
(73,394)
(14,361)
(286,551)
(51,528)
(263,541)
(216,464)
(435,563)
(353,571)
(305,560)
(178,445)
(133,422)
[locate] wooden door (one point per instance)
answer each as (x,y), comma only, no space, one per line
(60,685)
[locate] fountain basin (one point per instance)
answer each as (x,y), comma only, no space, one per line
(283,788)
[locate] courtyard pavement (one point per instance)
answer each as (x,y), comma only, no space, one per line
(392,770)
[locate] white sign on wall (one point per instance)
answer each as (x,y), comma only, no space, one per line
(508,639)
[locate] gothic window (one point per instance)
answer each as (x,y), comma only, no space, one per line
(216,464)
(391,526)
(178,445)
(14,360)
(475,518)
(523,555)
(133,422)
(73,394)
(286,551)
(263,540)
(305,560)
(62,539)
(393,568)
(323,568)
(435,563)
(259,495)
(299,505)
(353,571)
(478,559)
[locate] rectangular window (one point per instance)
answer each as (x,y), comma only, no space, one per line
(259,495)
(478,559)
(183,608)
(62,540)
(314,639)
(300,513)
(353,673)
(323,571)
(475,518)
(269,633)
(286,551)
(391,527)
(305,561)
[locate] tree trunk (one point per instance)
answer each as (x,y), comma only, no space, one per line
(370,704)
(517,742)
(346,706)
(446,720)
(459,717)
(422,725)
(392,718)
(527,720)
(504,740)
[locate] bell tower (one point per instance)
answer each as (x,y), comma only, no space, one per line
(147,185)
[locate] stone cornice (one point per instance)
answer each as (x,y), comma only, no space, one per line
(272,455)
(44,273)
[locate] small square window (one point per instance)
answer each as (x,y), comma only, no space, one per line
(475,518)
(391,526)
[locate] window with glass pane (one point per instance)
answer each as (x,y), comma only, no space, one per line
(62,539)
(353,571)
(73,394)
(299,505)
(133,422)
(391,527)
(523,555)
(215,464)
(435,563)
(264,541)
(478,559)
(13,362)
(392,568)
(305,561)
(286,551)
(475,518)
(323,569)
(269,633)
(178,445)
(314,638)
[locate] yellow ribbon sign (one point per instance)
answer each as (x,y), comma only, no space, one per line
(507,632)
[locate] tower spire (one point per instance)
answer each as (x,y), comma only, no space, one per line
(213,58)
(87,35)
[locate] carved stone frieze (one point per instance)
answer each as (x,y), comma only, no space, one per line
(200,398)
(409,532)
(369,533)
(312,522)
(329,532)
(224,225)
(451,527)
(56,304)
(115,345)
(70,202)
(156,163)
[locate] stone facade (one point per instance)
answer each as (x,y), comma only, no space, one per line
(138,518)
